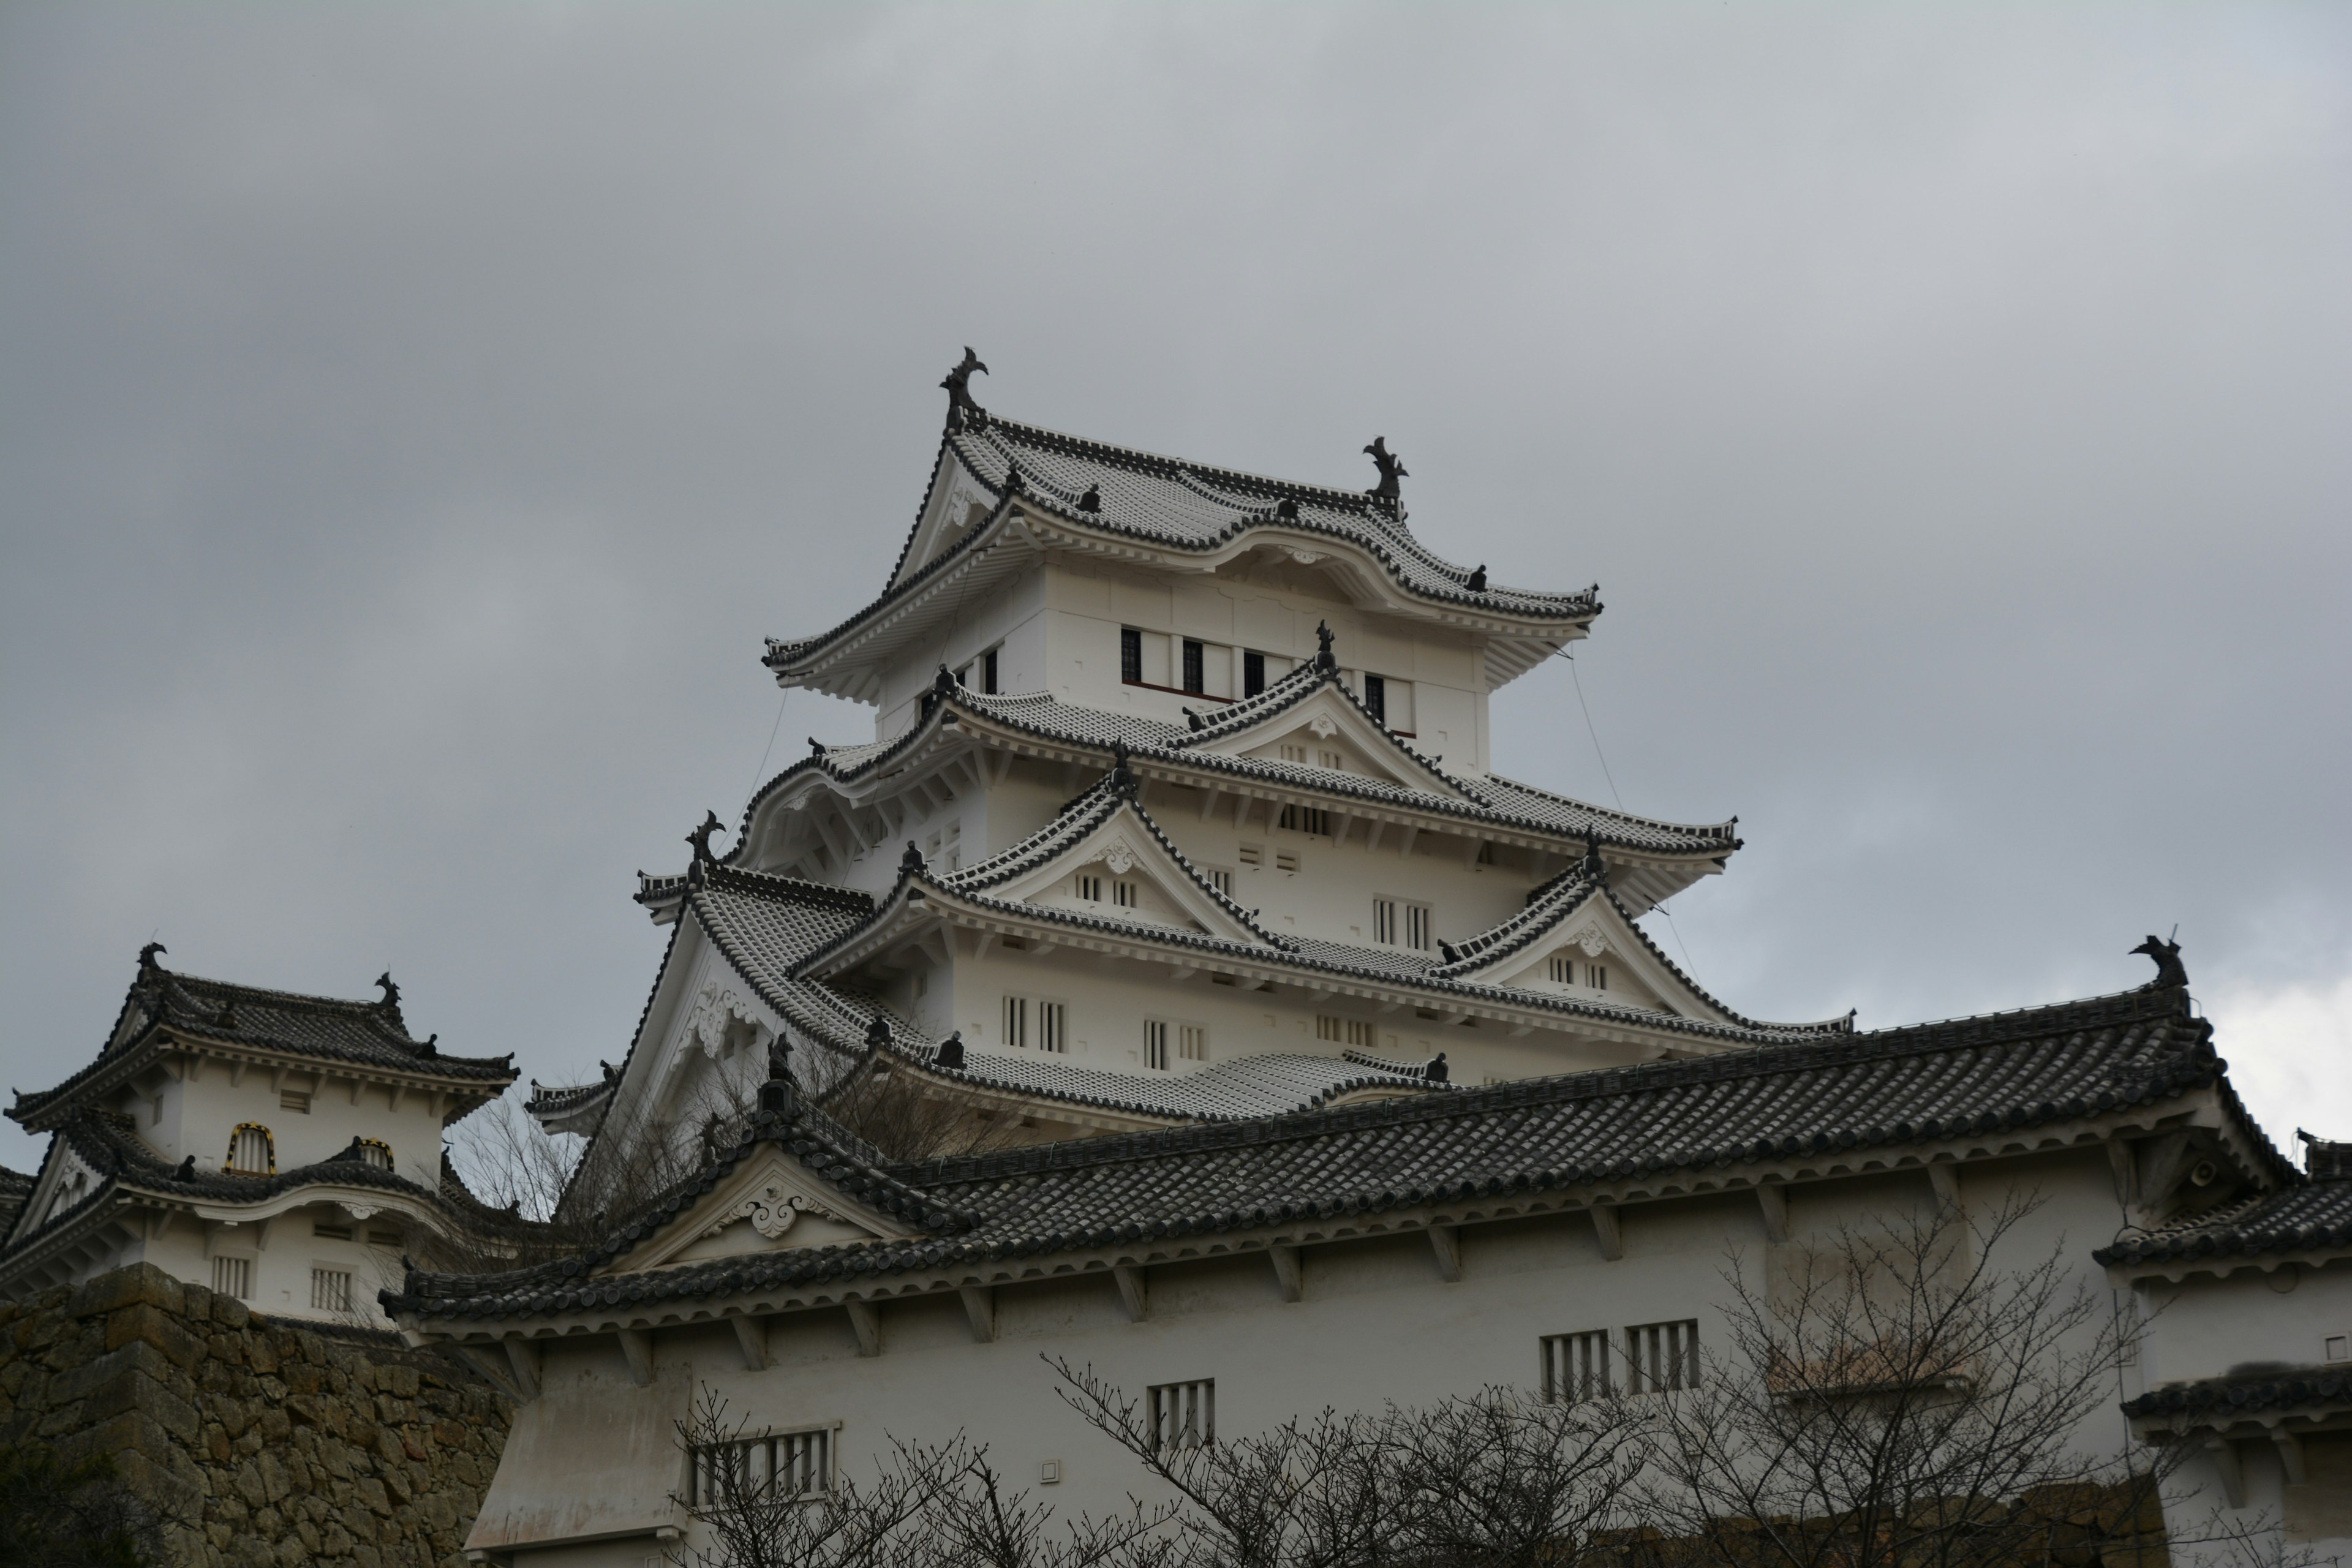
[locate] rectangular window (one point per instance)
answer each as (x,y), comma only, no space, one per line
(1253,673)
(1123,894)
(1313,820)
(1597,976)
(1291,753)
(331,1289)
(1416,927)
(1662,1357)
(1356,1032)
(1192,1042)
(1576,1367)
(1183,1415)
(788,1464)
(1017,1022)
(988,672)
(331,1231)
(1253,855)
(233,1277)
(1563,971)
(1155,1045)
(1384,921)
(1053,1028)
(1410,930)
(1335,761)
(1220,878)
(2338,1347)
(1130,656)
(1376,698)
(1195,667)
(295,1101)
(1285,860)
(1090,889)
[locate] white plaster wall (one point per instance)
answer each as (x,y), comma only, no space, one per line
(1375,1323)
(196,1116)
(1007,619)
(2205,1327)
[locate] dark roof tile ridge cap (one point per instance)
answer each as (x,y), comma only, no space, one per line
(1676,1023)
(2137,1001)
(1839,1023)
(292,1000)
(1761,1061)
(200,1030)
(568,1095)
(1614,814)
(1168,467)
(791,1008)
(775,888)
(762,1130)
(661,972)
(2258,1391)
(1233,724)
(1073,825)
(1582,605)
(1553,904)
(1474,805)
(782,650)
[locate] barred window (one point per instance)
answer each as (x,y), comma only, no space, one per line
(331,1289)
(1016,1021)
(1052,1026)
(233,1277)
(1220,878)
(1183,1415)
(1155,1045)
(1130,656)
(1396,923)
(251,1152)
(1309,819)
(1192,1042)
(1195,678)
(1376,698)
(1285,859)
(1357,1032)
(1252,854)
(1661,1357)
(789,1463)
(1090,889)
(1123,894)
(1576,1366)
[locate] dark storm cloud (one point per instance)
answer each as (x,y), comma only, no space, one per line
(413,418)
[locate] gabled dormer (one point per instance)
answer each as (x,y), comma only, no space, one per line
(1310,719)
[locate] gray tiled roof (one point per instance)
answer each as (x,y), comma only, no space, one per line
(2217,1401)
(367,1033)
(1189,507)
(2312,1213)
(2019,1070)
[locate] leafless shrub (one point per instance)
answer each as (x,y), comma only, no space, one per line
(1497,1480)
(943,1507)
(910,1120)
(1896,1398)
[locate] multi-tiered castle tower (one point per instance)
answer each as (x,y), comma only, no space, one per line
(1178,807)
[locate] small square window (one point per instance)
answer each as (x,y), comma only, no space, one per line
(295,1101)
(331,1289)
(1285,860)
(1576,1367)
(1183,1415)
(2339,1347)
(233,1277)
(1090,889)
(1123,894)
(1253,855)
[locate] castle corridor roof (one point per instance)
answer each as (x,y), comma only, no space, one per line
(322,1028)
(1837,1102)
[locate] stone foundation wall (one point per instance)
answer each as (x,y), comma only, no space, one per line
(262,1441)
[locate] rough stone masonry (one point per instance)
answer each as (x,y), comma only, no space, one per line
(262,1442)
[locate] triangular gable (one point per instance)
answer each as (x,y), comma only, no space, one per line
(1092,860)
(1321,725)
(1558,949)
(958,503)
(771,1202)
(64,1179)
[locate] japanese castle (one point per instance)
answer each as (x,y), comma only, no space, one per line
(1290,1056)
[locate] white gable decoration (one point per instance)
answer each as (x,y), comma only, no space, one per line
(770,1203)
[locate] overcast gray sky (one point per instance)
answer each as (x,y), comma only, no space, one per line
(412,418)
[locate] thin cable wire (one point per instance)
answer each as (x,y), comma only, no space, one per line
(773,731)
(1594,731)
